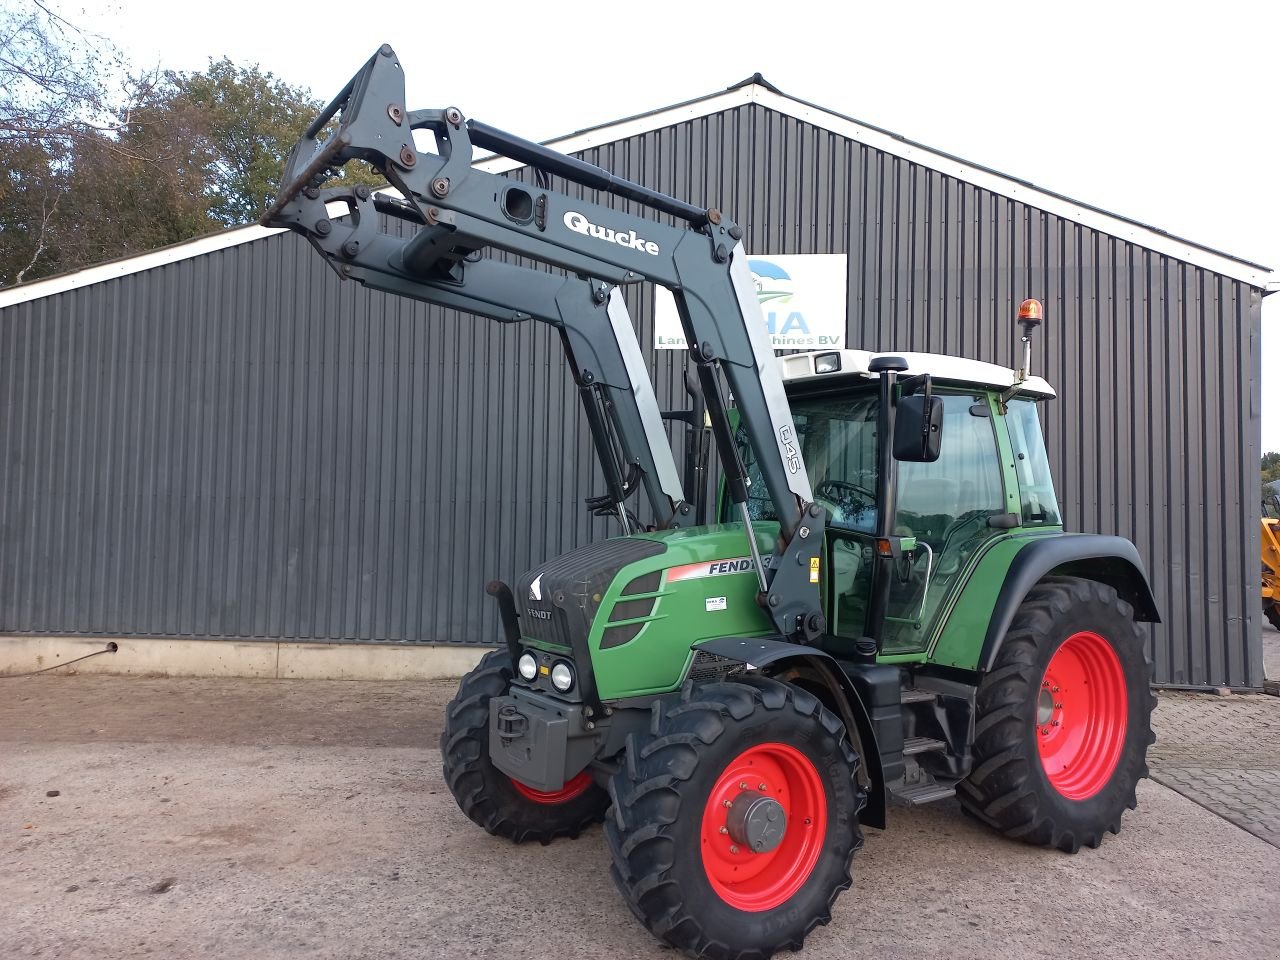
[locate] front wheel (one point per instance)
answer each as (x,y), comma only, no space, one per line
(1063,719)
(1272,609)
(506,807)
(735,819)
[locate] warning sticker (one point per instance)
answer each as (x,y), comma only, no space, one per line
(712,568)
(814,569)
(717,603)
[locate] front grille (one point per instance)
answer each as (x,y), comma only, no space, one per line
(553,631)
(580,580)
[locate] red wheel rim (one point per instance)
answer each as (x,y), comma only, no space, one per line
(1081,714)
(572,788)
(761,881)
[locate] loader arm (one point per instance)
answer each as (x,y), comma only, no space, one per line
(463,213)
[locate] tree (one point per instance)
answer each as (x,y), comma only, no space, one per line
(30,194)
(1271,477)
(243,123)
(248,121)
(53,75)
(52,93)
(90,175)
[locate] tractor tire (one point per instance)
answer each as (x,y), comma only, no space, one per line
(1272,609)
(1063,719)
(686,867)
(504,807)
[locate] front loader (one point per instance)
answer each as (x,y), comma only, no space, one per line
(884,607)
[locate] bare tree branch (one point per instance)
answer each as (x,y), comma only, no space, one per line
(46,214)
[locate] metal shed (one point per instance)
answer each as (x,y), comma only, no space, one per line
(221,440)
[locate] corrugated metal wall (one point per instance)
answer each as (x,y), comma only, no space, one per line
(239,445)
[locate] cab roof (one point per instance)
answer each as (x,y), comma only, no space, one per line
(856,363)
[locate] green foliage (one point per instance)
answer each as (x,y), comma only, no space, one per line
(243,123)
(175,156)
(1271,483)
(1271,466)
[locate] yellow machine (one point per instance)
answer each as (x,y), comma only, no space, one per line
(1271,558)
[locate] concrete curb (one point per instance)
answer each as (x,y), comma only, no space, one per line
(269,659)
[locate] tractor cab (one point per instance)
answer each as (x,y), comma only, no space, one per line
(991,476)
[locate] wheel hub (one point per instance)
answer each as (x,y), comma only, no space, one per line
(757,822)
(763,826)
(1044,707)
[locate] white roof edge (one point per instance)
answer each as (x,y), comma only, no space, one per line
(136,264)
(800,366)
(997,183)
(145,261)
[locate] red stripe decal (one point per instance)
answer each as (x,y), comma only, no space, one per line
(710,568)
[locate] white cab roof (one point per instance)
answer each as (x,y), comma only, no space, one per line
(800,366)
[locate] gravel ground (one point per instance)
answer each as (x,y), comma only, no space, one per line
(306,819)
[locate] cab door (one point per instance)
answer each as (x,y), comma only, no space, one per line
(947,506)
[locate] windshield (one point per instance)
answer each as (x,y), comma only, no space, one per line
(838,441)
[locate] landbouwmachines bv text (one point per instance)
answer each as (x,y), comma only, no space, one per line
(884,606)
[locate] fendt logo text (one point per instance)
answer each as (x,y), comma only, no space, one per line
(580,224)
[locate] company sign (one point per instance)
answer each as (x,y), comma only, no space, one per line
(802,297)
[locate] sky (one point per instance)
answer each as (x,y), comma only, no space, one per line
(1167,113)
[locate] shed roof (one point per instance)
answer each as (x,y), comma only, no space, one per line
(755,89)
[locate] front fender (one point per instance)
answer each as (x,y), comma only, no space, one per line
(772,657)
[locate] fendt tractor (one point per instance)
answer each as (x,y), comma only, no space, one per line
(885,608)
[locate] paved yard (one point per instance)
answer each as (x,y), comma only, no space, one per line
(1223,753)
(307,819)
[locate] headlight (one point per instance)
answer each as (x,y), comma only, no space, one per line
(528,666)
(562,677)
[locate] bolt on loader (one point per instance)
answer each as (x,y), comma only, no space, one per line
(880,607)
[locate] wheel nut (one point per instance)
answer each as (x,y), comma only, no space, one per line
(728,803)
(733,849)
(763,787)
(742,785)
(724,829)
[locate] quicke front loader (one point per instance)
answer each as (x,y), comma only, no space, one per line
(884,608)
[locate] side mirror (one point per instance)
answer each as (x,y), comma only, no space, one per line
(917,431)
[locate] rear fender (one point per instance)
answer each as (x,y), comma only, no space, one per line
(820,674)
(1110,560)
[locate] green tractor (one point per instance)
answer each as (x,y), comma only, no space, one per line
(885,608)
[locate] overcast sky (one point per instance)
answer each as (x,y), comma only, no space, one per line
(1168,113)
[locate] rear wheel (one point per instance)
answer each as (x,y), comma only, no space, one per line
(506,807)
(735,819)
(1063,719)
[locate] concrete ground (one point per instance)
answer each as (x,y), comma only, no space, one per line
(283,819)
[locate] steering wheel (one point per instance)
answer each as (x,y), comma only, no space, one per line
(846,502)
(844,491)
